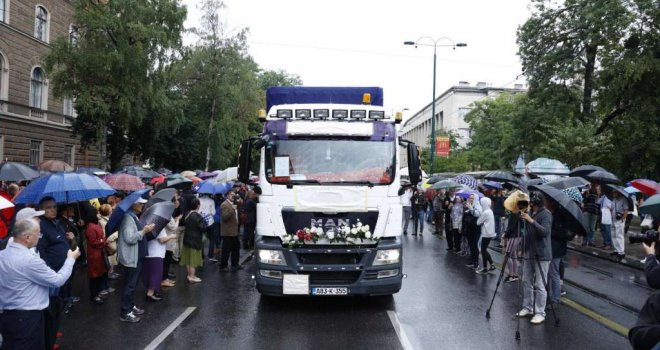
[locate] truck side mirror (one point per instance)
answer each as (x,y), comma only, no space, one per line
(244,157)
(414,164)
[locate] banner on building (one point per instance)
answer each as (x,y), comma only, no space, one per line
(442,146)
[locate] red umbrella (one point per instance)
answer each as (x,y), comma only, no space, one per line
(648,187)
(124,182)
(55,165)
(157,180)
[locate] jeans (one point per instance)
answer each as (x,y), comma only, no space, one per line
(512,249)
(473,244)
(407,212)
(618,239)
(554,278)
(498,227)
(23,330)
(418,221)
(230,247)
(535,301)
(131,278)
(591,222)
(607,234)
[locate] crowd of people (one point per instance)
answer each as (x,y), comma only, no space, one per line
(534,240)
(42,246)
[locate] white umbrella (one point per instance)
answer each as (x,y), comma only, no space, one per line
(229,174)
(5,203)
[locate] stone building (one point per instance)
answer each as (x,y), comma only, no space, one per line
(34,125)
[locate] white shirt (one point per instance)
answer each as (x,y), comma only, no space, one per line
(406,197)
(155,248)
(25,278)
(207,207)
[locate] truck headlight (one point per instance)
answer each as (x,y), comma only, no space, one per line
(387,256)
(272,257)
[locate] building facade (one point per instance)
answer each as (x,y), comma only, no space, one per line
(34,125)
(450,110)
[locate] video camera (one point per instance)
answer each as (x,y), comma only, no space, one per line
(522,205)
(648,237)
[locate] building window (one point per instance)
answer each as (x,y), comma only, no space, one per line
(68,107)
(73,35)
(36,152)
(69,155)
(2,148)
(38,93)
(462,112)
(3,11)
(4,77)
(41,24)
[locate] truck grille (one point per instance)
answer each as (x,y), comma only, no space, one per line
(330,259)
(333,277)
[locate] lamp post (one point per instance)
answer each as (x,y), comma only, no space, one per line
(433,43)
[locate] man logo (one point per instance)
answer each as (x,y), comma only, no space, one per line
(330,224)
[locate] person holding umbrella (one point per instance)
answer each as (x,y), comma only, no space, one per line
(153,262)
(191,254)
(131,250)
(620,209)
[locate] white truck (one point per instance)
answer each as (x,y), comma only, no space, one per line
(329,216)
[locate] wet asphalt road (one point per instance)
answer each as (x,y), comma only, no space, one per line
(442,305)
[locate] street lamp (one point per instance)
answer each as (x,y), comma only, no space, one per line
(433,43)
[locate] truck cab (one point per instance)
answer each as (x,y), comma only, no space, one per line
(329,216)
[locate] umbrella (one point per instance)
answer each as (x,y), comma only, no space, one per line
(164,171)
(501,176)
(124,182)
(631,190)
(195,180)
(546,166)
(229,174)
(188,173)
(583,170)
(91,171)
(10,171)
(568,182)
(177,181)
(435,179)
(466,180)
(651,206)
(157,180)
(122,208)
(5,203)
(603,176)
(465,194)
(609,189)
(573,193)
(210,187)
(572,213)
(55,165)
(445,184)
(65,188)
(164,195)
(140,172)
(493,185)
(205,175)
(648,187)
(158,214)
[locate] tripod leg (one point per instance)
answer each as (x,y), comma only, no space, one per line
(545,283)
(520,289)
(499,281)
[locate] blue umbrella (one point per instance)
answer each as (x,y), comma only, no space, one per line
(122,208)
(212,187)
(65,188)
(493,184)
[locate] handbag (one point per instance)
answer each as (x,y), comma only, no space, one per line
(109,250)
(647,222)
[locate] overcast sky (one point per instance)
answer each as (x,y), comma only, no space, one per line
(360,42)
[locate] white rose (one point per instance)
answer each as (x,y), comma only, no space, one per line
(295,237)
(319,232)
(359,224)
(307,230)
(312,230)
(331,235)
(346,230)
(367,235)
(367,226)
(286,239)
(364,229)
(354,231)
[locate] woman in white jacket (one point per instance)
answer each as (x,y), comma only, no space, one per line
(487,223)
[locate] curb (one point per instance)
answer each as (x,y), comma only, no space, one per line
(629,261)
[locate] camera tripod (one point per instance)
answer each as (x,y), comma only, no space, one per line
(507,256)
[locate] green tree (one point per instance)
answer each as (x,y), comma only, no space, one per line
(111,69)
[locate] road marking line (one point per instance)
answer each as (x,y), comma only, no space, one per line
(400,333)
(596,316)
(159,339)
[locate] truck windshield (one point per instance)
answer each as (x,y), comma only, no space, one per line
(330,161)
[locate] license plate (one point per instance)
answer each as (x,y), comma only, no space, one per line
(329,291)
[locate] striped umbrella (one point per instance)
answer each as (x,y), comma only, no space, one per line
(124,182)
(467,180)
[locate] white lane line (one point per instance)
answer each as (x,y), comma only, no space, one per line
(400,332)
(159,339)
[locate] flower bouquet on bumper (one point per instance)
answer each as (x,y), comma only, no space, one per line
(344,234)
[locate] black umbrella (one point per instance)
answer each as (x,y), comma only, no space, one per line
(575,221)
(10,171)
(603,176)
(501,176)
(158,214)
(164,195)
(435,179)
(568,182)
(177,181)
(609,190)
(583,170)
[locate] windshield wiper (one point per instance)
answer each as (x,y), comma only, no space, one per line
(306,181)
(357,182)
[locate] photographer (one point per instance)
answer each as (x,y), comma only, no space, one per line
(652,267)
(537,256)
